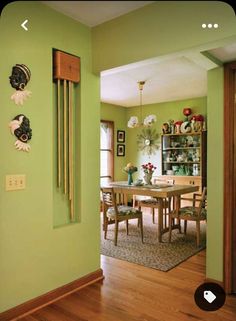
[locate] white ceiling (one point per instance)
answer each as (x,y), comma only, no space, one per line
(175,77)
(92,13)
(169,80)
(224,54)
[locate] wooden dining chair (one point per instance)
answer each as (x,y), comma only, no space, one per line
(114,212)
(152,202)
(196,213)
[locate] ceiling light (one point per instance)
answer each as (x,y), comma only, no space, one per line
(149,120)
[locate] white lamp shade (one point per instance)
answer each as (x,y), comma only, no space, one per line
(149,120)
(133,122)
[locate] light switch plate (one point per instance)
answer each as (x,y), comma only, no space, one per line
(15,182)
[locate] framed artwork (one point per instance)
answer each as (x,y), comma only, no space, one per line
(120,150)
(120,136)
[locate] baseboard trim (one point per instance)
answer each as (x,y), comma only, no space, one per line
(43,300)
(213,281)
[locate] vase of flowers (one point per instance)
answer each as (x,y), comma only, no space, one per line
(148,170)
(130,169)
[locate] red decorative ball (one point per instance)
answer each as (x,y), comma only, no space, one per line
(187,111)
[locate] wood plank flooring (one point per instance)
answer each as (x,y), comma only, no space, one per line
(131,292)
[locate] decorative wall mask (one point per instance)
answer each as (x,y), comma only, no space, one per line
(20,127)
(19,78)
(148,141)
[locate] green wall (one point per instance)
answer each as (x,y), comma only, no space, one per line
(36,257)
(215,171)
(118,115)
(163,112)
(161,28)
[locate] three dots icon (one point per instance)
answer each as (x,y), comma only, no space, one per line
(210,25)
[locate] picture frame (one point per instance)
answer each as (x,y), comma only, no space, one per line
(120,136)
(120,150)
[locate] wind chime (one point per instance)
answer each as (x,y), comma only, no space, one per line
(66,71)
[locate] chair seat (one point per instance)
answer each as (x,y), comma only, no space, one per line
(192,213)
(122,210)
(151,201)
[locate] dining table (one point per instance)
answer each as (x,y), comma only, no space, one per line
(158,191)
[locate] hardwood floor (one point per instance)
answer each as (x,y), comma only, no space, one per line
(131,292)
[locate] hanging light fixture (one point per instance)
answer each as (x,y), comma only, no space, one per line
(149,120)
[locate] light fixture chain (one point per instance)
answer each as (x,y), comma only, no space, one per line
(141,104)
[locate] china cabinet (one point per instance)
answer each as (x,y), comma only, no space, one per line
(184,158)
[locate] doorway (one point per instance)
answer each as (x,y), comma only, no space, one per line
(230,177)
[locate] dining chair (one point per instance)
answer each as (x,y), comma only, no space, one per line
(195,213)
(152,202)
(114,212)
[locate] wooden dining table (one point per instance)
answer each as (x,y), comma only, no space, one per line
(159,191)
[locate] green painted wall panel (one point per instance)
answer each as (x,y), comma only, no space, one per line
(160,28)
(34,256)
(215,170)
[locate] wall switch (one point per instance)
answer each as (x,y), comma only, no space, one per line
(15,182)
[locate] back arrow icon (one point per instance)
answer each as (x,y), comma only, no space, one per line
(23,25)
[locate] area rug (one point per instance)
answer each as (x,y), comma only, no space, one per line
(161,256)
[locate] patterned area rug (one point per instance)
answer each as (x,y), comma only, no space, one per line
(161,256)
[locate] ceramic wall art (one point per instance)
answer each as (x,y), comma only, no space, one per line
(185,127)
(165,128)
(20,127)
(19,78)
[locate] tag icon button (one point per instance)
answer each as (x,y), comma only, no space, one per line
(209,296)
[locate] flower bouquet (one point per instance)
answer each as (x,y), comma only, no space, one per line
(130,169)
(148,170)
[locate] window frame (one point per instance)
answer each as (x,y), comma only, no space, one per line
(111,125)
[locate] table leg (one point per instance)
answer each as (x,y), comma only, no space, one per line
(160,219)
(177,207)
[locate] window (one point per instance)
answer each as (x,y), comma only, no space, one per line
(106,151)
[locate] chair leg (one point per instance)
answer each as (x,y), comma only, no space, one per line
(169,204)
(153,215)
(141,227)
(105,228)
(179,223)
(198,232)
(170,227)
(116,231)
(127,227)
(139,208)
(134,200)
(185,226)
(165,212)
